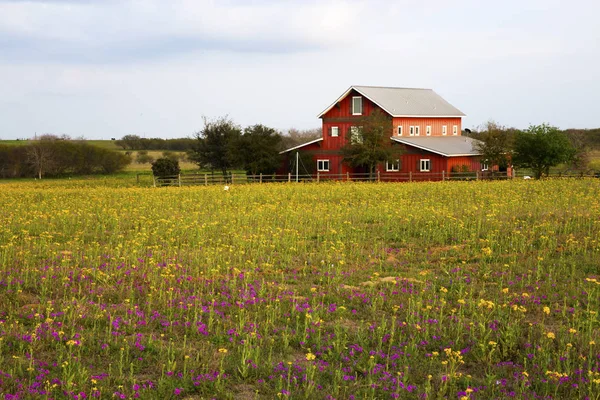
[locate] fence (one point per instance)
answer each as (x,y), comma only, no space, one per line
(238,178)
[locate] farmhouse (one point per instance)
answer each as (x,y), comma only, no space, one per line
(426,128)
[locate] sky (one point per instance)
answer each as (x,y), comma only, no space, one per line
(156,68)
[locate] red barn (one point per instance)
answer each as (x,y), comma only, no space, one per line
(426,126)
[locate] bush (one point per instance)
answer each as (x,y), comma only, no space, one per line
(165,167)
(143,157)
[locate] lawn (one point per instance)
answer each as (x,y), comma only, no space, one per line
(462,290)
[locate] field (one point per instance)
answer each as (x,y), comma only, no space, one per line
(463,290)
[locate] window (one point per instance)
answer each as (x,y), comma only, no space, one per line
(417,130)
(444,130)
(322,165)
(355,135)
(400,130)
(412,131)
(392,166)
(484,165)
(425,165)
(357,105)
(428,130)
(455,130)
(335,131)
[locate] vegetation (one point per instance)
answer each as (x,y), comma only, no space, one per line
(369,145)
(247,293)
(51,156)
(541,147)
(496,143)
(221,145)
(165,167)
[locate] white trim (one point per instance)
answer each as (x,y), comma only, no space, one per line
(417,130)
(411,130)
(421,169)
(361,105)
(455,130)
(395,166)
(323,168)
(399,140)
(337,131)
(428,130)
(301,145)
(444,130)
(379,105)
(399,130)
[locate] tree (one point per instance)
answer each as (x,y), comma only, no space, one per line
(213,145)
(165,167)
(541,147)
(293,137)
(256,150)
(130,142)
(495,144)
(143,157)
(369,144)
(41,155)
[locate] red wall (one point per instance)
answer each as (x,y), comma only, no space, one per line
(435,123)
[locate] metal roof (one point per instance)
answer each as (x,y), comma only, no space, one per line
(404,102)
(448,146)
(301,145)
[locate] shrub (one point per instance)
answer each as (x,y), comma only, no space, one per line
(165,167)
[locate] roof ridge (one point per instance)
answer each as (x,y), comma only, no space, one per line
(390,87)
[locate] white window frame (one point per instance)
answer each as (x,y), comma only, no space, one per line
(335,131)
(424,165)
(484,166)
(417,130)
(455,130)
(355,136)
(411,130)
(393,167)
(399,130)
(428,130)
(321,165)
(444,130)
(354,111)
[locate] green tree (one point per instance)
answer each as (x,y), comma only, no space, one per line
(541,147)
(165,167)
(495,144)
(213,145)
(256,150)
(369,143)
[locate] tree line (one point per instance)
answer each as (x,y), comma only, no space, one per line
(538,147)
(51,156)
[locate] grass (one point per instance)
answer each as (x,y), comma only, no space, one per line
(465,290)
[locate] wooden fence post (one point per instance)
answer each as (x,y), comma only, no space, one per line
(378,176)
(153,181)
(476,175)
(410,176)
(179,180)
(347,176)
(318,176)
(443,176)
(205,179)
(289,177)
(260,178)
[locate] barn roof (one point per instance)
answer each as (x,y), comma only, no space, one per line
(301,145)
(404,102)
(447,146)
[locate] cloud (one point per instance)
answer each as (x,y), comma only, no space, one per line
(109,32)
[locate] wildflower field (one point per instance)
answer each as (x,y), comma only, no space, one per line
(462,290)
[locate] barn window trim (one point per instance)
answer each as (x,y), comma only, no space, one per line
(425,165)
(393,166)
(484,165)
(357,105)
(417,130)
(335,131)
(411,130)
(455,130)
(323,165)
(399,130)
(428,130)
(444,130)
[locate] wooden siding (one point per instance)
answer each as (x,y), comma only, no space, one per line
(472,163)
(435,123)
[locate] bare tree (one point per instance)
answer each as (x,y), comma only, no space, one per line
(40,155)
(294,137)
